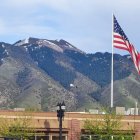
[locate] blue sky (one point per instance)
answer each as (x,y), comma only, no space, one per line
(87,24)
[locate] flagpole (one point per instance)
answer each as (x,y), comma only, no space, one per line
(112,63)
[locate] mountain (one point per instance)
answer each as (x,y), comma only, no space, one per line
(39,73)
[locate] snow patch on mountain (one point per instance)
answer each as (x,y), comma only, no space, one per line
(3,46)
(22,42)
(44,42)
(70,46)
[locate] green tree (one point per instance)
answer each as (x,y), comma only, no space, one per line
(19,128)
(107,128)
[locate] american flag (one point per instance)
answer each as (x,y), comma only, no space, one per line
(121,41)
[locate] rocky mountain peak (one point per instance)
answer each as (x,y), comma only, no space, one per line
(26,41)
(57,45)
(67,46)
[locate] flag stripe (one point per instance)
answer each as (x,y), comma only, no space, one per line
(118,39)
(119,47)
(133,54)
(119,42)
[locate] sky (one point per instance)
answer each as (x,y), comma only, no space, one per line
(87,24)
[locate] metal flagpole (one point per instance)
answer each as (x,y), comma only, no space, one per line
(112,63)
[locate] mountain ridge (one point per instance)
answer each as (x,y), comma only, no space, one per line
(38,73)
